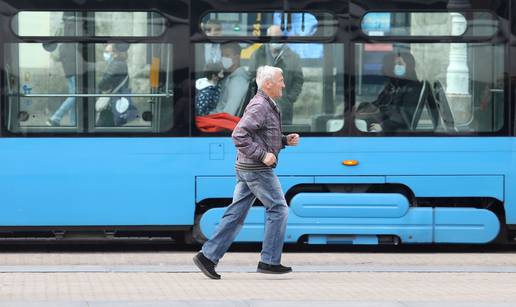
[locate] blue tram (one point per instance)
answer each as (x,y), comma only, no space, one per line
(160,165)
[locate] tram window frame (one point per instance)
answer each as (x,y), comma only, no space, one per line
(87,35)
(463,13)
(205,15)
(303,128)
(503,130)
(83,129)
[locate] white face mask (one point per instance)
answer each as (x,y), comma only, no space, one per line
(227,62)
(108,56)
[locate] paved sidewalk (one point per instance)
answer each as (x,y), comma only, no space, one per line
(245,304)
(329,279)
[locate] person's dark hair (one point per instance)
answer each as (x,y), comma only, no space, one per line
(389,62)
(234,47)
(120,51)
(212,69)
(121,47)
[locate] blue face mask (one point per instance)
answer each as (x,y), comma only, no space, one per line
(399,70)
(108,56)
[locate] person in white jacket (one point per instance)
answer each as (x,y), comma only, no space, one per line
(234,86)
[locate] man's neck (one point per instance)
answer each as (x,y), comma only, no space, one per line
(267,94)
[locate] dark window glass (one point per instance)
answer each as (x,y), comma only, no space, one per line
(422,87)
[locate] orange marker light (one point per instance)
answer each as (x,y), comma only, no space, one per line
(350,162)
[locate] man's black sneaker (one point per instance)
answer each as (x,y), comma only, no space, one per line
(273,268)
(206,266)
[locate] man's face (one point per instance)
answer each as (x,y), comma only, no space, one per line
(276,85)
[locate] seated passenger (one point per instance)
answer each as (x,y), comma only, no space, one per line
(398,100)
(235,83)
(115,111)
(208,90)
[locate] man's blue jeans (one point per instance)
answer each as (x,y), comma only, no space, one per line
(68,105)
(265,186)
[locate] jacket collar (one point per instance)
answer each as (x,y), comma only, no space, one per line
(273,104)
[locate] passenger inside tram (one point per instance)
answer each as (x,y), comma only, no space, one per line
(396,104)
(115,111)
(235,83)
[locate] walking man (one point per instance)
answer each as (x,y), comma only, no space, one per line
(258,139)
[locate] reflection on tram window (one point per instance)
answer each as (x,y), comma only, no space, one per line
(429,24)
(312,101)
(122,24)
(441,88)
(256,23)
(52,85)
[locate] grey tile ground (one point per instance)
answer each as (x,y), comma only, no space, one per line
(196,303)
(339,279)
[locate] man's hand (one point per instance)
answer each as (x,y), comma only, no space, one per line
(293,139)
(269,159)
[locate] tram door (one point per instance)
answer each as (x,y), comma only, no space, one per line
(57,85)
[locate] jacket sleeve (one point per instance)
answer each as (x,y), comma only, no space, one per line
(296,72)
(251,122)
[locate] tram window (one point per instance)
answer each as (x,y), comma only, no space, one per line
(122,24)
(54,85)
(425,87)
(429,24)
(256,24)
(313,100)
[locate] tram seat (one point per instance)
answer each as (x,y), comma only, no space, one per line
(445,119)
(421,103)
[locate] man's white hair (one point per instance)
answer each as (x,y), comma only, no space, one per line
(265,73)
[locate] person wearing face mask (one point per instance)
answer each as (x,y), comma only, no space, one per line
(116,80)
(281,56)
(235,83)
(397,101)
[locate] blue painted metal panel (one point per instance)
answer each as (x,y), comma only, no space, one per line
(151,181)
(419,225)
(252,231)
(214,187)
(453,186)
(216,151)
(223,186)
(350,179)
(465,225)
(414,227)
(383,205)
(87,182)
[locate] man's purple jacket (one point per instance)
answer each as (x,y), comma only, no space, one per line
(257,133)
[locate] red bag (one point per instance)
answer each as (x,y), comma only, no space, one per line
(216,122)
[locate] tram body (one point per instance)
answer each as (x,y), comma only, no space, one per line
(448,178)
